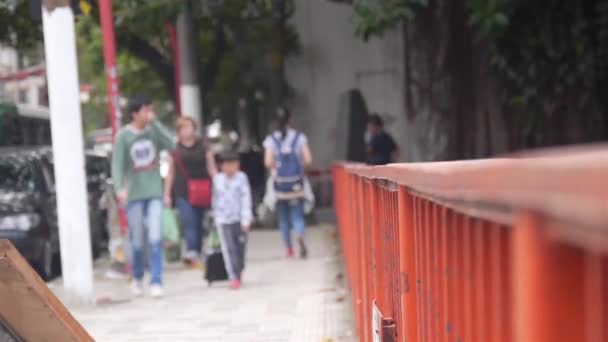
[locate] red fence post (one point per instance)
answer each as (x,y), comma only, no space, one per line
(501,287)
(407,241)
(548,285)
(376,243)
(365,189)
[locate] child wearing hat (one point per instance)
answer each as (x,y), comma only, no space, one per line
(232,211)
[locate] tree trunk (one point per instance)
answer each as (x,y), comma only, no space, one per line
(452,109)
(144,51)
(277,78)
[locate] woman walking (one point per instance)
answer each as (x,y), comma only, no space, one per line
(189,183)
(286,154)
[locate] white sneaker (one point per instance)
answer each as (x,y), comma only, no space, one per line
(137,288)
(156,291)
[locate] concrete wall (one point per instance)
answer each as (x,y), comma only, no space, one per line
(333,61)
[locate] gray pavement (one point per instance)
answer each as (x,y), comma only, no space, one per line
(281,300)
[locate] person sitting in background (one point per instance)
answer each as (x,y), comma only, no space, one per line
(233,214)
(190,161)
(381,147)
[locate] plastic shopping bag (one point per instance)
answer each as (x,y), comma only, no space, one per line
(213,241)
(171,235)
(170,226)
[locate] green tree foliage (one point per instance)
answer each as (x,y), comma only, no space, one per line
(234,45)
(17,28)
(372,18)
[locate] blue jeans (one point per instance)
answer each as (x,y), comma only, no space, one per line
(144,218)
(291,215)
(192,224)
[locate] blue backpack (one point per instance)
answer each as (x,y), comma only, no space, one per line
(290,177)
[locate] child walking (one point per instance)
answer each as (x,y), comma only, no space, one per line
(232,210)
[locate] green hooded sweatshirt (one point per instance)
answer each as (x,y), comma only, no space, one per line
(135,160)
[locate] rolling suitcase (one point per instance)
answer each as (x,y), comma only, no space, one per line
(215,268)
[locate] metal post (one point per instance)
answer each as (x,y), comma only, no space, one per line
(190,94)
(66,130)
(548,284)
(109,54)
(176,66)
(407,243)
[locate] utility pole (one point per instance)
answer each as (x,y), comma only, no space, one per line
(68,151)
(189,89)
(109,54)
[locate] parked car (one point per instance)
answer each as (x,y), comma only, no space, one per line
(28,207)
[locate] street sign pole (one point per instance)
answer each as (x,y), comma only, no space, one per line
(68,150)
(109,54)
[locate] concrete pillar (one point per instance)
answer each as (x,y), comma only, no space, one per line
(68,150)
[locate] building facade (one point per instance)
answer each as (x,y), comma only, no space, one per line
(334,61)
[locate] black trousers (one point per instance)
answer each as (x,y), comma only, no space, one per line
(233,241)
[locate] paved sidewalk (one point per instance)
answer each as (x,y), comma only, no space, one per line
(282,300)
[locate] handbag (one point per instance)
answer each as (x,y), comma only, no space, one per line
(199,189)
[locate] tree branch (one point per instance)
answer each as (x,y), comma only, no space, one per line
(143,50)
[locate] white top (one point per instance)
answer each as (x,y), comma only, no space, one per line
(231,201)
(286,143)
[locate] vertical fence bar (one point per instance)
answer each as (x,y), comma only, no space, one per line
(426,264)
(604,298)
(593,294)
(361,242)
(419,268)
(407,264)
(396,260)
(548,285)
(376,253)
(366,264)
(434,260)
(482,296)
(454,296)
(467,279)
(501,294)
(444,275)
(355,247)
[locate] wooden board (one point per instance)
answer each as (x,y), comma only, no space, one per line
(28,307)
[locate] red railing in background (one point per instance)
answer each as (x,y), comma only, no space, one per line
(490,250)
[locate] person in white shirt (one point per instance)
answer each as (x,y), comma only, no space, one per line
(232,210)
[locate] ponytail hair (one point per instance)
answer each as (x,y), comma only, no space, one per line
(283,117)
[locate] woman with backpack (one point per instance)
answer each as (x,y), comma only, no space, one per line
(286,153)
(189,183)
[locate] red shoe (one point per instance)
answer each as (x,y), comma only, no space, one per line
(290,253)
(235,284)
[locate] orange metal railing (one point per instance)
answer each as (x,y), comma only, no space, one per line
(490,250)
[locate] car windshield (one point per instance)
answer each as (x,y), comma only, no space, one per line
(15,174)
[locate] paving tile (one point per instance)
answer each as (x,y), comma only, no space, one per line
(282,300)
